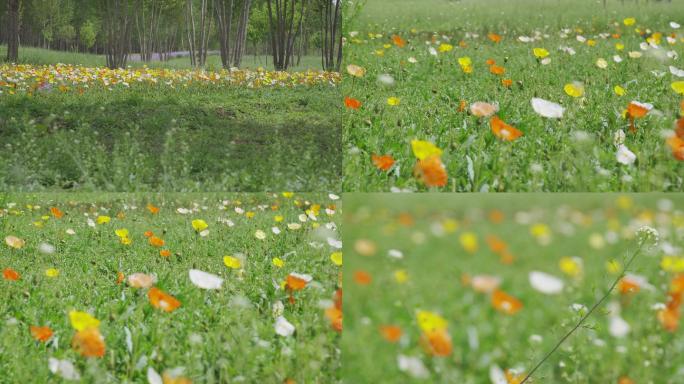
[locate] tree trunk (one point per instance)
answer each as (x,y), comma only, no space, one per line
(13,28)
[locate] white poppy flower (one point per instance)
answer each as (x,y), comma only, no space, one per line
(205,280)
(547,108)
(545,283)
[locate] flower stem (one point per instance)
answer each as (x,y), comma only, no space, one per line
(579,324)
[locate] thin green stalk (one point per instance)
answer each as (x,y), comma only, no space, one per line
(579,324)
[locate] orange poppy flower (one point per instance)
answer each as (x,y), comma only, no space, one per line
(628,286)
(334,315)
(490,62)
(89,343)
(391,333)
(437,342)
(41,334)
(398,41)
(295,283)
(496,244)
(153,210)
(462,44)
(382,162)
(679,128)
(352,103)
(120,277)
(362,278)
(56,212)
(167,378)
(149,234)
(431,172)
(495,216)
(625,380)
(504,131)
(506,303)
(164,253)
(497,70)
(10,274)
(462,106)
(669,319)
(676,144)
(156,241)
(162,300)
(512,378)
(334,312)
(494,37)
(506,82)
(636,110)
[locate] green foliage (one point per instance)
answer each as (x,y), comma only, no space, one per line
(87,34)
(193,139)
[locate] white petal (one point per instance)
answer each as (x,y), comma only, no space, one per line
(496,375)
(547,108)
(413,366)
(284,327)
(676,71)
(618,326)
(63,368)
(674,25)
(205,280)
(153,377)
(545,283)
(625,156)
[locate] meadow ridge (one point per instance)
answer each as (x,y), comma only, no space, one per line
(207,288)
(553,96)
(477,288)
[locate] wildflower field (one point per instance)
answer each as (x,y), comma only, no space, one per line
(66,126)
(477,289)
(174,288)
(521,95)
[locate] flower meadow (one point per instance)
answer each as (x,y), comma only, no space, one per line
(477,289)
(517,96)
(30,79)
(174,288)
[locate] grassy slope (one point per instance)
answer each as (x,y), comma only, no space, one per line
(194,139)
(41,56)
(435,265)
(431,90)
(231,333)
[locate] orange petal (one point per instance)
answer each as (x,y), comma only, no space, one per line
(431,172)
(89,343)
(41,334)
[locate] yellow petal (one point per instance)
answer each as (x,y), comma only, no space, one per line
(678,87)
(83,320)
(199,225)
(424,149)
(51,272)
(278,262)
(336,258)
(231,262)
(429,321)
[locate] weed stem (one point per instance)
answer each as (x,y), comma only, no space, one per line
(593,308)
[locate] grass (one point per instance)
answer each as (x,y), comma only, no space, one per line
(575,153)
(436,271)
(42,56)
(218,336)
(197,138)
